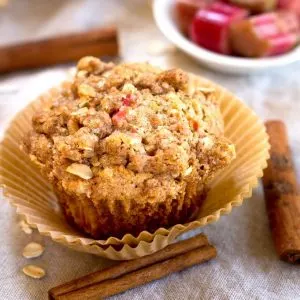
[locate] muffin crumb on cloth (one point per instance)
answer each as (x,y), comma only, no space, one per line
(128,148)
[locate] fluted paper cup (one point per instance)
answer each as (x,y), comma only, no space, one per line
(33,197)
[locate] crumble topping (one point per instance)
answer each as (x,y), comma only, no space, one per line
(131,131)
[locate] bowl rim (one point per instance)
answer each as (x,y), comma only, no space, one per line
(166,23)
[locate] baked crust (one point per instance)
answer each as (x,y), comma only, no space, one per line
(129,148)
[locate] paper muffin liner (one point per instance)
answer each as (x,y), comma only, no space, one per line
(34,198)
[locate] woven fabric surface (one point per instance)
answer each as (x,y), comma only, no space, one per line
(247,266)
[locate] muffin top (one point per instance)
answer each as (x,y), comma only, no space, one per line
(130,131)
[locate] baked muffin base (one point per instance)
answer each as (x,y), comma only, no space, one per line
(102,223)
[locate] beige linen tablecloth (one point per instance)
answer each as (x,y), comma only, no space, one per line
(246,266)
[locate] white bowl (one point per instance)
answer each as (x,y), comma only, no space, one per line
(163,11)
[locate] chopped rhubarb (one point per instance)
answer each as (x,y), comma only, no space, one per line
(210,27)
(128,100)
(284,22)
(234,12)
(195,125)
(265,35)
(119,117)
(256,6)
(292,5)
(282,43)
(185,11)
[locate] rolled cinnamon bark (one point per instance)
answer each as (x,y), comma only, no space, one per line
(282,195)
(59,49)
(133,279)
(125,267)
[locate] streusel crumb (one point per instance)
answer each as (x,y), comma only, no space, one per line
(127,148)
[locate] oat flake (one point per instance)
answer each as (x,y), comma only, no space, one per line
(80,170)
(25,227)
(34,271)
(33,250)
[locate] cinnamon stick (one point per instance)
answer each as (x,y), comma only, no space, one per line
(282,195)
(132,273)
(88,284)
(156,271)
(59,49)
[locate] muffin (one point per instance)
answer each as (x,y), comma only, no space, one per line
(129,147)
